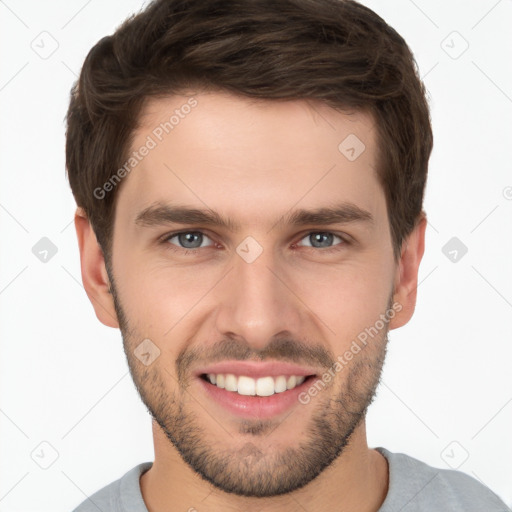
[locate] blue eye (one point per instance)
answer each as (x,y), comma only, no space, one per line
(187,242)
(323,239)
(189,239)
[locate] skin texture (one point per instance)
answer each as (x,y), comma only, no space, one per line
(254,162)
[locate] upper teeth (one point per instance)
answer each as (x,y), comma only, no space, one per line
(264,386)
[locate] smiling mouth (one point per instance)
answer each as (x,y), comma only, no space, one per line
(262,386)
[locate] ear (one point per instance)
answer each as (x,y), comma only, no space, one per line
(406,277)
(94,272)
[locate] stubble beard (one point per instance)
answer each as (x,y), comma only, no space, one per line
(245,468)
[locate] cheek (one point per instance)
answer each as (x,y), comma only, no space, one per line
(159,299)
(157,296)
(347,298)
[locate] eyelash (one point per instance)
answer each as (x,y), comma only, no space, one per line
(184,251)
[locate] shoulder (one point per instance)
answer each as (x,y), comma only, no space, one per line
(416,487)
(115,496)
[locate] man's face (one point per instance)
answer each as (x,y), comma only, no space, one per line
(267,301)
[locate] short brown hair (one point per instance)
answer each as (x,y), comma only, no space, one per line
(335,51)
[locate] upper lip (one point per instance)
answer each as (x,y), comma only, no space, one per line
(256,369)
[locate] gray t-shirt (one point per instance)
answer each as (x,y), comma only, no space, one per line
(413,487)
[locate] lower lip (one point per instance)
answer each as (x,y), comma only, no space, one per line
(256,406)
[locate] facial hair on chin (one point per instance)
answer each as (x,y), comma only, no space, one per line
(246,470)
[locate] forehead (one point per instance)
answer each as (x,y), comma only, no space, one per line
(251,158)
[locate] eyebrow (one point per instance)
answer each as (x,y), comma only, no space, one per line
(160,214)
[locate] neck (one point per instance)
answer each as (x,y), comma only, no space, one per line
(356,481)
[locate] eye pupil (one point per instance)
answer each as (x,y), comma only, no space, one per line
(194,239)
(325,239)
(186,239)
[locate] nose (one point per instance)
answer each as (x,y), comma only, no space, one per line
(257,302)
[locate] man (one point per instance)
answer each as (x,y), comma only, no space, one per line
(249,178)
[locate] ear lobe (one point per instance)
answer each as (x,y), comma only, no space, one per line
(406,277)
(94,272)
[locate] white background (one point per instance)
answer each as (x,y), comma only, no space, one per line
(447,387)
